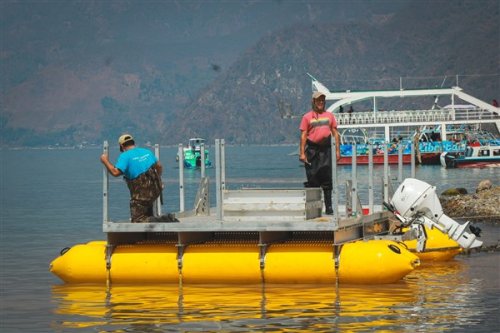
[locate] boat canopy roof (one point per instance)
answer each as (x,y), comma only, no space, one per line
(349,97)
(196,141)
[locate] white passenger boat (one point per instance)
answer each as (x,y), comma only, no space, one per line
(474,156)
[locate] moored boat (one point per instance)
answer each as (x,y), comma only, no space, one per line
(437,120)
(357,138)
(193,154)
(474,156)
(428,151)
(378,158)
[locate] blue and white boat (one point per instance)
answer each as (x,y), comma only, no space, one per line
(474,156)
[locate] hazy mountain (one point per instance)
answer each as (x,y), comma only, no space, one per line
(421,43)
(166,71)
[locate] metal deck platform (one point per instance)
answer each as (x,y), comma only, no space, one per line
(201,229)
(196,223)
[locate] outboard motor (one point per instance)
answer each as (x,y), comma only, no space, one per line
(416,202)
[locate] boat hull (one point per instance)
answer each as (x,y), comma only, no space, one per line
(430,158)
(361,262)
(451,161)
(377,159)
(192,159)
(428,153)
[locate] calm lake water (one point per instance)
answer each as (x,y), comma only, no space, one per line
(52,199)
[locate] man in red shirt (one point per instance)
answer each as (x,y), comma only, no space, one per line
(317,127)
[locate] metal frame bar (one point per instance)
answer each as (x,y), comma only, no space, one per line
(386,173)
(335,182)
(220,176)
(105,187)
(157,205)
(370,178)
(202,155)
(400,163)
(354,177)
(181,178)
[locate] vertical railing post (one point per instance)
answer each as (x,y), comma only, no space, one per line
(219,176)
(386,172)
(387,133)
(335,192)
(348,198)
(223,165)
(202,155)
(412,173)
(354,176)
(400,163)
(105,186)
(180,153)
(157,206)
(370,178)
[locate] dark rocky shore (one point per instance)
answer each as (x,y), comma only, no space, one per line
(482,207)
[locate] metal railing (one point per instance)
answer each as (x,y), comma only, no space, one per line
(410,116)
(202,203)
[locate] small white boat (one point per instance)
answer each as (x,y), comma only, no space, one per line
(474,156)
(192,154)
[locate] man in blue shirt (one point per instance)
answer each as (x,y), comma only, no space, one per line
(142,172)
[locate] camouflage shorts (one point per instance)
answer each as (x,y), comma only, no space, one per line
(144,190)
(140,211)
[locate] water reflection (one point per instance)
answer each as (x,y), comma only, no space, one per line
(436,297)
